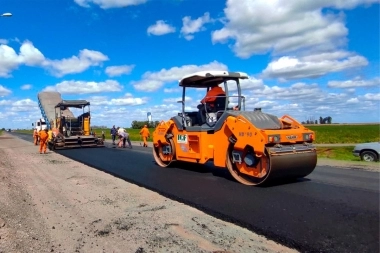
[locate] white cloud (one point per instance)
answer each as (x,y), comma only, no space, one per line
(24,105)
(172,90)
(160,28)
(152,81)
(119,70)
(83,87)
(355,83)
(313,66)
(31,56)
(193,26)
(127,100)
(107,4)
(5,102)
(4,91)
(26,87)
(372,96)
(75,64)
(175,100)
(283,26)
(3,41)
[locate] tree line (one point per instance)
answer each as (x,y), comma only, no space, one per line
(326,120)
(139,124)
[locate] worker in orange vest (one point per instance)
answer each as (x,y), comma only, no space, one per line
(43,134)
(145,134)
(35,136)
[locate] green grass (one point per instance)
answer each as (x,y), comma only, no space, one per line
(345,133)
(337,153)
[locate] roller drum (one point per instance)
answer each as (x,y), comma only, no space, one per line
(292,165)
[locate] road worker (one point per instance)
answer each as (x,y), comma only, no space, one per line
(35,136)
(209,100)
(145,135)
(43,134)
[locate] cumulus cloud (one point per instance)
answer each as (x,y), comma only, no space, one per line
(107,4)
(160,28)
(31,56)
(193,26)
(126,100)
(26,87)
(152,81)
(76,64)
(175,100)
(172,90)
(288,68)
(24,105)
(83,87)
(119,70)
(4,91)
(355,83)
(3,41)
(283,26)
(10,60)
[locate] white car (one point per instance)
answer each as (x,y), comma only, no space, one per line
(368,152)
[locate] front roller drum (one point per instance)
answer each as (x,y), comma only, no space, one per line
(164,155)
(277,166)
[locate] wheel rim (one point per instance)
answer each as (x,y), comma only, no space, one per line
(368,158)
(162,159)
(240,177)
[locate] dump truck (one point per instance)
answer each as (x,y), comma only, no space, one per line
(256,147)
(69,131)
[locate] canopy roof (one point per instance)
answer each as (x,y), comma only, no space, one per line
(204,79)
(73,103)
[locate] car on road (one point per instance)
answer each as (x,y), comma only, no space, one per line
(368,152)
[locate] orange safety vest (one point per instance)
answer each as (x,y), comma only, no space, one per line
(212,93)
(43,135)
(144,132)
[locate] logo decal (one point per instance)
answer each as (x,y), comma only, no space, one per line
(291,137)
(182,138)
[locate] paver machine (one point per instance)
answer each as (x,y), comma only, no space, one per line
(70,131)
(256,147)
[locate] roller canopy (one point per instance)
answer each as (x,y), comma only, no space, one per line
(206,79)
(73,103)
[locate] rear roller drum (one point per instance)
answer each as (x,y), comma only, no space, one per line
(164,154)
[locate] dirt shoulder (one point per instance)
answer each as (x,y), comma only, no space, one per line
(49,203)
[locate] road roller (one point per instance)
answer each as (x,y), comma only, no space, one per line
(256,147)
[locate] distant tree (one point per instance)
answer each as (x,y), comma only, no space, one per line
(139,124)
(316,122)
(320,120)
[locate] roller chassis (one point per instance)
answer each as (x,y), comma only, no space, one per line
(255,147)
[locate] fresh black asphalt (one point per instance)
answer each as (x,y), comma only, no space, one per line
(331,210)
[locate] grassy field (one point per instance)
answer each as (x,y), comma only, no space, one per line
(325,134)
(337,153)
(345,133)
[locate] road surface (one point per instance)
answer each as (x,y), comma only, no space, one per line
(331,210)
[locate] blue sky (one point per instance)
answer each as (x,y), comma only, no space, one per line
(304,58)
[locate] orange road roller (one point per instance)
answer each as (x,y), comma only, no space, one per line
(256,147)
